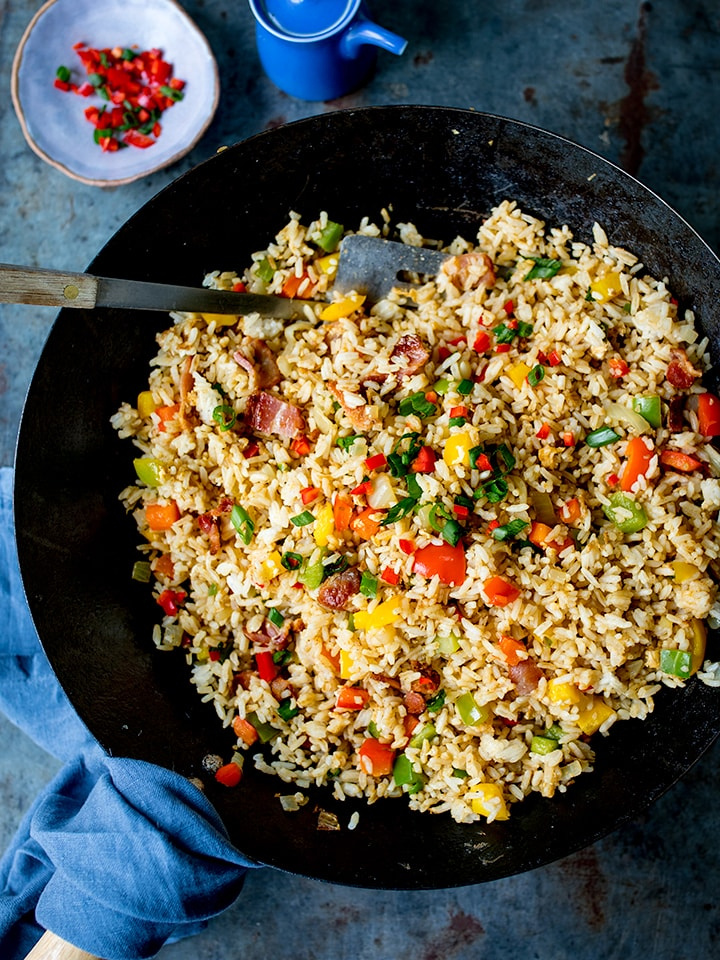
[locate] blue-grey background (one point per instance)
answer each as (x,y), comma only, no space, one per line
(639,84)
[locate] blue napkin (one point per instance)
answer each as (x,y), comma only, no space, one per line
(116,856)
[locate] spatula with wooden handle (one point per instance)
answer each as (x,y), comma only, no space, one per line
(51,947)
(366,265)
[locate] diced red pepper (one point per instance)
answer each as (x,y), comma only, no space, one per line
(493,525)
(459,411)
(618,367)
(424,462)
(251,449)
(136,139)
(362,489)
(483,463)
(509,307)
(443,353)
(554,358)
(376,461)
(431,396)
(544,432)
(61,84)
(441,560)
(239,287)
(512,325)
(301,446)
(407,546)
(709,415)
(481,342)
(677,460)
(457,341)
(171,600)
(461,510)
(308,494)
(390,576)
(502,348)
(568,439)
(266,666)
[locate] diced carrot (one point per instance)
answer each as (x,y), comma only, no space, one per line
(570,510)
(301,446)
(365,524)
(166,413)
(342,512)
(161,516)
(637,462)
(539,533)
(351,698)
(229,775)
(164,566)
(244,731)
(291,287)
(376,758)
(511,649)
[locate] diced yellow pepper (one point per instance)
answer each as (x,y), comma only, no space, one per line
(562,692)
(606,287)
(346,665)
(324,525)
(145,404)
(343,308)
(271,566)
(383,615)
(593,717)
(457,450)
(683,571)
(328,265)
(491,801)
(698,641)
(220,319)
(518,373)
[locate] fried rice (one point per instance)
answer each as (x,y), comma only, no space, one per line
(435,546)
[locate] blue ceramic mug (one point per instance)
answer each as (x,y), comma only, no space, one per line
(319,49)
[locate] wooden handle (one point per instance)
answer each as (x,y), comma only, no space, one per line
(46,287)
(50,947)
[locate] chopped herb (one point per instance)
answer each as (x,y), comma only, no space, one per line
(536,375)
(329,236)
(336,566)
(460,774)
(543,268)
(401,459)
(63,73)
(291,561)
(601,437)
(225,416)
(373,730)
(555,732)
(240,519)
(287,709)
(400,510)
(509,530)
(494,490)
(275,617)
(413,486)
(171,94)
(503,334)
(212,590)
(436,702)
(282,657)
(417,404)
(302,519)
(368,584)
(456,421)
(218,387)
(452,532)
(346,442)
(524,329)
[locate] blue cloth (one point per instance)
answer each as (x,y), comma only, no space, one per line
(116,856)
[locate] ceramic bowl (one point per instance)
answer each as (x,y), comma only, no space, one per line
(53,121)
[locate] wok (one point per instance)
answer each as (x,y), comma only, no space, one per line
(443,169)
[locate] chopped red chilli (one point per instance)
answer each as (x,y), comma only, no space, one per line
(137,88)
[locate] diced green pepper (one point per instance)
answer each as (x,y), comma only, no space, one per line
(554,732)
(437,702)
(465,387)
(405,775)
(678,663)
(313,575)
(627,515)
(265,731)
(460,774)
(428,732)
(650,409)
(441,387)
(543,745)
(141,571)
(240,519)
(329,236)
(470,713)
(448,645)
(265,270)
(287,709)
(368,584)
(149,471)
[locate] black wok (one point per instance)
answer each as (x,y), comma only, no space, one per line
(443,169)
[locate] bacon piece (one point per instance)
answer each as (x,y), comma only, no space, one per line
(675,418)
(209,522)
(259,361)
(526,675)
(187,383)
(356,413)
(428,683)
(470,270)
(270,637)
(680,372)
(407,357)
(338,589)
(267,414)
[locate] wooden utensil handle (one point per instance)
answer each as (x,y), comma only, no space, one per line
(51,947)
(46,287)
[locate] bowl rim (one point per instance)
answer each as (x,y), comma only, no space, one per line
(117,181)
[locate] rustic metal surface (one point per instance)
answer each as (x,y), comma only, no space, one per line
(634,81)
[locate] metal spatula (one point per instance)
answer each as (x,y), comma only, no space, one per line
(367,265)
